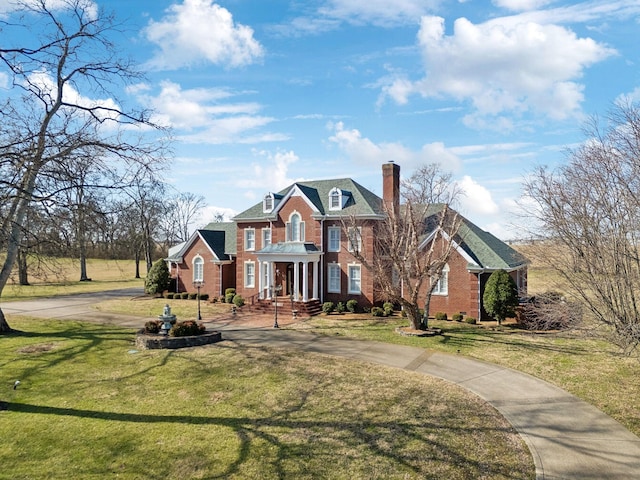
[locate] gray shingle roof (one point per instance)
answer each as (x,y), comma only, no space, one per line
(361,201)
(221,238)
(488,251)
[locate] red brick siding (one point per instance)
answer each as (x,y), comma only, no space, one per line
(211,272)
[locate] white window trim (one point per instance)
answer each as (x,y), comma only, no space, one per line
(248,248)
(265,207)
(333,229)
(359,267)
(196,277)
(265,231)
(439,289)
(333,193)
(330,267)
(301,229)
(248,284)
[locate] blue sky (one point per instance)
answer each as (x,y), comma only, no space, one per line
(263,93)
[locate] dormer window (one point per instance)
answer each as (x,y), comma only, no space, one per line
(335,199)
(338,199)
(268,203)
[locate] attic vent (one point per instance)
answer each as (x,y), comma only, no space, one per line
(337,199)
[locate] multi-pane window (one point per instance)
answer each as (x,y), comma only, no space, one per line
(249,239)
(442,286)
(334,274)
(250,274)
(266,237)
(295,228)
(198,269)
(334,239)
(267,203)
(354,279)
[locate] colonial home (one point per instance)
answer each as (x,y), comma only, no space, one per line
(295,244)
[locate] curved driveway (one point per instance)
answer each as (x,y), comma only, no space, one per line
(569,439)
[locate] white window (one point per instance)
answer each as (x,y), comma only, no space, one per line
(442,286)
(295,228)
(354,279)
(334,239)
(335,199)
(198,269)
(249,239)
(355,239)
(249,274)
(266,237)
(334,273)
(267,203)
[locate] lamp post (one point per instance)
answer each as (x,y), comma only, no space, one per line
(198,284)
(275,290)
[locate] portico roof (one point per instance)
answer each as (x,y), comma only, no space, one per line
(290,248)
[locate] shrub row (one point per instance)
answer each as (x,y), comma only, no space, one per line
(341,307)
(185,296)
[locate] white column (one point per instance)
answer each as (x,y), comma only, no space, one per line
(296,280)
(315,279)
(305,282)
(269,279)
(260,280)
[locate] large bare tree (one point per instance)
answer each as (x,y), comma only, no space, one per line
(414,242)
(60,57)
(588,211)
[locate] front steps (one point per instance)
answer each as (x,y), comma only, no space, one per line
(286,307)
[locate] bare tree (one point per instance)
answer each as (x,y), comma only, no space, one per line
(414,242)
(66,50)
(182,211)
(589,212)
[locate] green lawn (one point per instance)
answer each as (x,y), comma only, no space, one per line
(591,369)
(91,407)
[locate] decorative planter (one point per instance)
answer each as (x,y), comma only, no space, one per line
(147,341)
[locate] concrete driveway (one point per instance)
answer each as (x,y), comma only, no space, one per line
(568,438)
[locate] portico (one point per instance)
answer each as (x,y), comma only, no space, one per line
(289,267)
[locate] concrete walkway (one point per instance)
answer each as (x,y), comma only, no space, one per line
(568,438)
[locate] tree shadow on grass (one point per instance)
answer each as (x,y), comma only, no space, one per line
(374,436)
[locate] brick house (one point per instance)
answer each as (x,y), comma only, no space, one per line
(294,244)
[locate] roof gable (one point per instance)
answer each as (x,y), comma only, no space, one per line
(361,201)
(481,249)
(218,237)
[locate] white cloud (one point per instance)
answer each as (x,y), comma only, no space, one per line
(521,5)
(331,14)
(44,83)
(90,8)
(199,31)
(207,115)
(502,67)
(271,172)
(476,199)
(377,12)
(365,151)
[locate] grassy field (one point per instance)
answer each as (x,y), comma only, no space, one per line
(61,278)
(91,407)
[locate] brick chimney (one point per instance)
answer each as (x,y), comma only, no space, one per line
(391,186)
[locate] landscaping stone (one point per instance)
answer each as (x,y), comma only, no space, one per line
(151,342)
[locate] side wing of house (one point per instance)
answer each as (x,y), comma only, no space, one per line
(205,261)
(476,255)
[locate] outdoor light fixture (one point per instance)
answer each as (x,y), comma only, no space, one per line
(198,284)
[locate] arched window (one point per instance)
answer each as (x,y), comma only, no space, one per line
(295,228)
(198,269)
